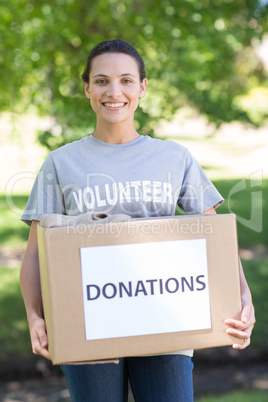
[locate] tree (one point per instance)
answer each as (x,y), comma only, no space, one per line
(192,51)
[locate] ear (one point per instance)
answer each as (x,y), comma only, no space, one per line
(143,88)
(86,89)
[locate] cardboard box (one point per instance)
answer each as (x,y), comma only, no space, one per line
(86,301)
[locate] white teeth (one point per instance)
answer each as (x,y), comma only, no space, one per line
(114,104)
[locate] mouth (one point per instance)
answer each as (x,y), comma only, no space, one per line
(114,105)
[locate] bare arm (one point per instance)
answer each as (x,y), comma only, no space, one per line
(31,292)
(242,328)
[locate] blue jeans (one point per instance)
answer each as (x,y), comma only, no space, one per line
(165,378)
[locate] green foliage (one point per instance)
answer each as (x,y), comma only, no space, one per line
(192,51)
(255,103)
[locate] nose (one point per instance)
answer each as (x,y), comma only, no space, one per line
(114,90)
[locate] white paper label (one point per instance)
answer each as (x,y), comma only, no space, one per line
(145,288)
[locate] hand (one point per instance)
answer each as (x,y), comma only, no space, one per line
(39,338)
(242,328)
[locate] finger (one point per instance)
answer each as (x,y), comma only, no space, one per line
(243,346)
(244,335)
(236,324)
(43,340)
(40,345)
(239,334)
(39,350)
(240,324)
(46,354)
(245,314)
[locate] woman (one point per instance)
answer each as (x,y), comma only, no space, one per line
(119,171)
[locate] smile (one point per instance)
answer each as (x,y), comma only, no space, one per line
(114,105)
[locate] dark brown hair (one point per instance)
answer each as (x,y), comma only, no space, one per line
(114,46)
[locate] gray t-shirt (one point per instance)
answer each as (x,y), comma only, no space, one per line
(142,178)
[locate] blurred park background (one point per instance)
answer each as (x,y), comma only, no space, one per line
(207,69)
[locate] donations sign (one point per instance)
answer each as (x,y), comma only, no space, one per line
(145,288)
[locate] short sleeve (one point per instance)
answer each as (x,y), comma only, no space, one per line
(197,193)
(46,195)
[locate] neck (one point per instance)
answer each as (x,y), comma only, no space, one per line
(115,133)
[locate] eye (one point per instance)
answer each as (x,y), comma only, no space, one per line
(127,81)
(101,81)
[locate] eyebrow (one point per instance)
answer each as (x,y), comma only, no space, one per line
(103,75)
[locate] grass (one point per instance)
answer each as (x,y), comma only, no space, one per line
(256,272)
(14,335)
(13,232)
(253,236)
(249,201)
(245,396)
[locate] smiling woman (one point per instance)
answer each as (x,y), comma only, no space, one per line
(117,170)
(114,89)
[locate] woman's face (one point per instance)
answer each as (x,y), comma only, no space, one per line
(114,87)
